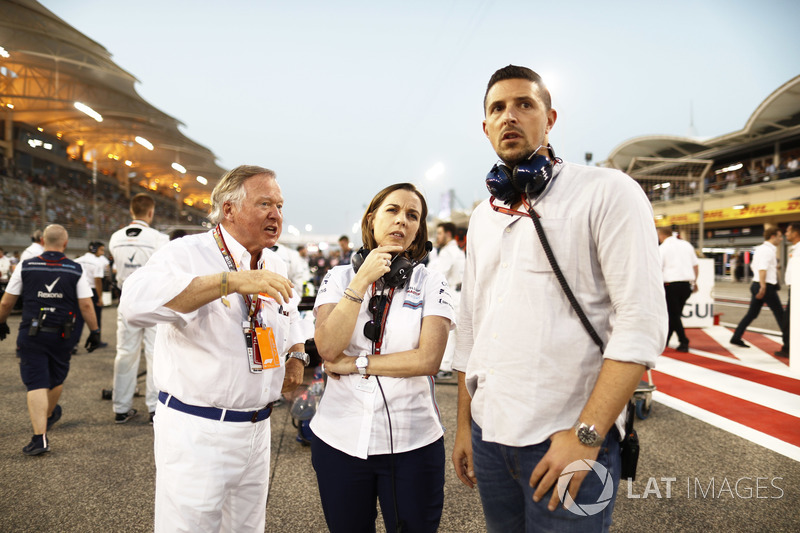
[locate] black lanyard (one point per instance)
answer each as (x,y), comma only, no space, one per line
(384,314)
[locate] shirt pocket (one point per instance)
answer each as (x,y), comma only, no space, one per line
(533,257)
(272,316)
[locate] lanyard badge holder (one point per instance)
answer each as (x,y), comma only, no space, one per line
(256,337)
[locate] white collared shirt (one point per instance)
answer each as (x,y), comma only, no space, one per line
(788,276)
(530,365)
(201,357)
(677,260)
(354,421)
(765,257)
(35,249)
(132,246)
(450,261)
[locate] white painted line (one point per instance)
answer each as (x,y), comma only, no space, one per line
(777,399)
(752,355)
(762,439)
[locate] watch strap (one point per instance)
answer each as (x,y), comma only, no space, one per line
(302,356)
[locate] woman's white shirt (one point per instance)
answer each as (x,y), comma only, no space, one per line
(353,420)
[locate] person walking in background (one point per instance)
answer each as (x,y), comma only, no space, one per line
(95,271)
(679,269)
(381,327)
(131,247)
(54,292)
(535,392)
(227,317)
(5,270)
(450,262)
(793,236)
(764,288)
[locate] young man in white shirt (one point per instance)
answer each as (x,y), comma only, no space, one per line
(131,247)
(533,385)
(764,288)
(94,270)
(449,261)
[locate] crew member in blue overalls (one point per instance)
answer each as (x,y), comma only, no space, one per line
(54,290)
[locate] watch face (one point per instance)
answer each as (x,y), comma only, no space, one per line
(587,435)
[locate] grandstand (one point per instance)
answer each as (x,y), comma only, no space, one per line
(721,192)
(77,140)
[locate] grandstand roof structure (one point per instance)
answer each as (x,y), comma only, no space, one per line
(46,66)
(775,119)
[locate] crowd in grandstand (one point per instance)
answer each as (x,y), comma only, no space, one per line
(33,200)
(730,177)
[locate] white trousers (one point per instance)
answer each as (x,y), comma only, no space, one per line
(211,476)
(130,341)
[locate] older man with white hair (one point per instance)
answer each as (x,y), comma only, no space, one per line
(227,345)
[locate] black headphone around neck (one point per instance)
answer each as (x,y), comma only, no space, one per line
(530,177)
(400,270)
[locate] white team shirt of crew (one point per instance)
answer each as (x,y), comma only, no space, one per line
(354,421)
(131,252)
(92,269)
(34,250)
(678,260)
(787,278)
(5,268)
(131,247)
(450,261)
(530,365)
(765,257)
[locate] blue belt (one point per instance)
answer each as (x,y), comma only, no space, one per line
(214,413)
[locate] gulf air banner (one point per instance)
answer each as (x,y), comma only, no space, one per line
(699,309)
(729,213)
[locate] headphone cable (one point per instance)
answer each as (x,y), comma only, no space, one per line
(398,523)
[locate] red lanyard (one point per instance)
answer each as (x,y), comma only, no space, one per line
(252,304)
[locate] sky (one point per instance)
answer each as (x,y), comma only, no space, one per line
(343,98)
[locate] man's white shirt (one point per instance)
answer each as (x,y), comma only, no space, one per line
(450,261)
(678,260)
(766,258)
(132,246)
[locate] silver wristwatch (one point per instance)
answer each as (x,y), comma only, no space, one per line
(588,435)
(361,364)
(302,356)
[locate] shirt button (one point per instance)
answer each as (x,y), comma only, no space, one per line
(499,300)
(494,335)
(491,371)
(505,265)
(508,230)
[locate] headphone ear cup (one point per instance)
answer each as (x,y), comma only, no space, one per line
(357,259)
(533,175)
(499,181)
(399,272)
